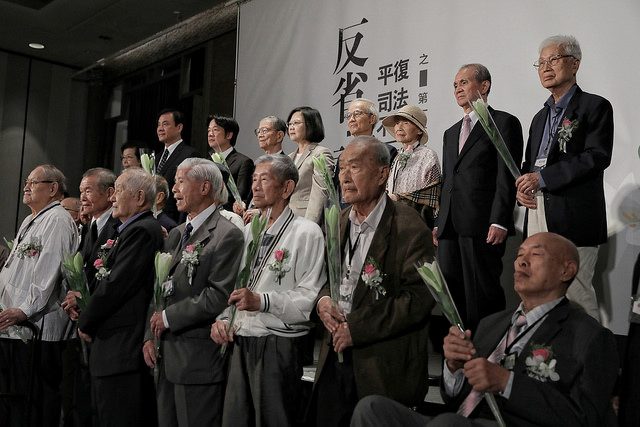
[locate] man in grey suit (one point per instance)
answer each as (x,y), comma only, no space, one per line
(191,371)
(548,363)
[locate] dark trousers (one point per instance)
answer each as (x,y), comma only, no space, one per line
(76,385)
(184,405)
(126,399)
(472,269)
(335,395)
(264,385)
(15,367)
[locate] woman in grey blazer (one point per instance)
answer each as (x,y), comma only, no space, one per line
(306,130)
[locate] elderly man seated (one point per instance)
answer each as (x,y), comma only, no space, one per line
(549,363)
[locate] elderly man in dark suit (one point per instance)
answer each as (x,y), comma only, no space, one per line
(169,131)
(190,386)
(569,147)
(379,326)
(222,135)
(476,202)
(548,363)
(96,189)
(115,318)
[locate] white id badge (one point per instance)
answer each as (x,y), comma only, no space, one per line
(541,162)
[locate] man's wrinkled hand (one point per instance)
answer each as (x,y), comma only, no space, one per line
(244,299)
(458,348)
(485,376)
(149,353)
(219,333)
(330,314)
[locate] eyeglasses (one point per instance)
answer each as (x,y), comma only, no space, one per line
(553,61)
(32,182)
(355,114)
(262,131)
(296,123)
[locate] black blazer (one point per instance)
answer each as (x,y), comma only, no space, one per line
(116,314)
(90,254)
(241,168)
(574,196)
(478,190)
(587,363)
(182,151)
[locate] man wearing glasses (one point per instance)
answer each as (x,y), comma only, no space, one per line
(569,147)
(31,290)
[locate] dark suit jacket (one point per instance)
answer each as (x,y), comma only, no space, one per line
(182,151)
(390,333)
(166,221)
(116,314)
(189,355)
(241,168)
(478,190)
(587,363)
(574,195)
(90,254)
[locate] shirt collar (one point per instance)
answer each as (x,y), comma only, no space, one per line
(199,219)
(226,152)
(103,218)
(173,147)
(373,219)
(536,313)
(130,220)
(279,222)
(562,102)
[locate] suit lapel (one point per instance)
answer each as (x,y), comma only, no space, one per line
(202,235)
(569,113)
(307,151)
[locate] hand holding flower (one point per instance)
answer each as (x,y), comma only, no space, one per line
(458,348)
(157,324)
(485,376)
(342,338)
(219,333)
(330,314)
(244,299)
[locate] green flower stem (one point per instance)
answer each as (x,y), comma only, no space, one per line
(489,126)
(258,227)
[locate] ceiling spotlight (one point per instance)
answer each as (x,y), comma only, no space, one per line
(36,45)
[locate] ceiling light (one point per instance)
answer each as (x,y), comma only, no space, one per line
(36,45)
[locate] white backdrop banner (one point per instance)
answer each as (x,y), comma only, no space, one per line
(325,53)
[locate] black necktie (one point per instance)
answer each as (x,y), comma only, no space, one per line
(187,233)
(163,160)
(92,238)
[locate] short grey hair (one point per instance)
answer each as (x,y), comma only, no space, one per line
(52,173)
(379,150)
(162,186)
(480,73)
(206,170)
(277,123)
(282,167)
(370,105)
(136,179)
(568,44)
(106,178)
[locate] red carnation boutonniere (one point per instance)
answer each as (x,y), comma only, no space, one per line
(279,266)
(565,132)
(541,365)
(100,263)
(189,258)
(372,277)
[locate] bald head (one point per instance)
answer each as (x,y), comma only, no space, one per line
(544,268)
